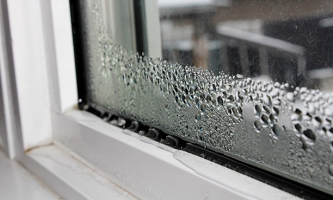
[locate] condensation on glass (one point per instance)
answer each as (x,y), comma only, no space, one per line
(258,110)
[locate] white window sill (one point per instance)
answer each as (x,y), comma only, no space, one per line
(69,177)
(147,169)
(17,183)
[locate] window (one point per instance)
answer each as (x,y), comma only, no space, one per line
(258,112)
(283,128)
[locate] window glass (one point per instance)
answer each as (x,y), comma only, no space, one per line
(248,79)
(285,41)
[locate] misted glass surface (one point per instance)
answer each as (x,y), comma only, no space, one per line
(249,79)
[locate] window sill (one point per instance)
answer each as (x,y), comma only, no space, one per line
(69,177)
(147,169)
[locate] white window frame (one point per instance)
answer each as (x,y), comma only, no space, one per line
(39,94)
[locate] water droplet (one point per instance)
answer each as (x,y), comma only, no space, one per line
(267,100)
(231,98)
(267,110)
(330,169)
(317,122)
(264,119)
(272,118)
(257,126)
(303,90)
(310,134)
(290,97)
(307,117)
(203,107)
(330,131)
(297,115)
(277,102)
(220,100)
(275,92)
(277,130)
(298,128)
(276,111)
(298,111)
(257,110)
(229,108)
(329,111)
(328,122)
(240,111)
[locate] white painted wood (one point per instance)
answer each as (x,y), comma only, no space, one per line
(37,70)
(26,37)
(17,183)
(70,178)
(151,170)
(11,132)
(3,128)
(59,52)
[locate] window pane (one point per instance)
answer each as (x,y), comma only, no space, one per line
(248,100)
(285,41)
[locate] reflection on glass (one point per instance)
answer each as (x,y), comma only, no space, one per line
(279,126)
(285,41)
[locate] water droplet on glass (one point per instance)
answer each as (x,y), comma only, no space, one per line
(257,126)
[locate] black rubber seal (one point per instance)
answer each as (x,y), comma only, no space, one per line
(75,10)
